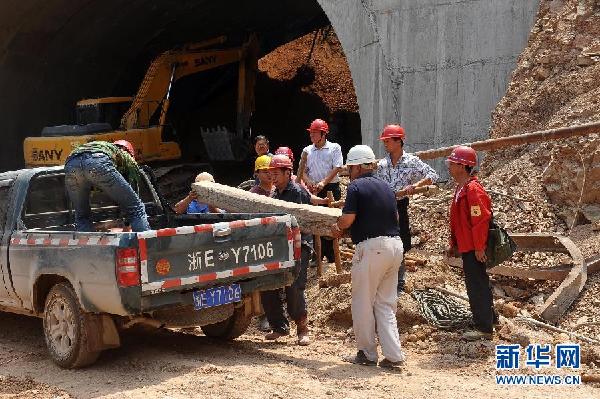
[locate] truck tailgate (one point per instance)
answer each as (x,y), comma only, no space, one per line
(184,257)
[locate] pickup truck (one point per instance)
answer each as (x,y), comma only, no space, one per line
(195,270)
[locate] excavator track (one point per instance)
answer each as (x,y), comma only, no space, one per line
(174,182)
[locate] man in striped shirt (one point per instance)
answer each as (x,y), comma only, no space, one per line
(324,160)
(402,171)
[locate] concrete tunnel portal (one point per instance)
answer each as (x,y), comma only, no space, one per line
(438,67)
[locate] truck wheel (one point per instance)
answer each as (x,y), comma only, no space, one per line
(65,329)
(231,328)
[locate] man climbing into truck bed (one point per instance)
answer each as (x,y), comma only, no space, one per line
(110,167)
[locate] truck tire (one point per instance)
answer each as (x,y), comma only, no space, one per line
(231,328)
(65,329)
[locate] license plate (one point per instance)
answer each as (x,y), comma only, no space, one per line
(243,255)
(217,296)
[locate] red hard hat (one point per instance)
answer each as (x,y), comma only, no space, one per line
(463,155)
(126,145)
(285,151)
(391,131)
(280,161)
(319,124)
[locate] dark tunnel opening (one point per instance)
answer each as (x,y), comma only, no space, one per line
(284,107)
(54,55)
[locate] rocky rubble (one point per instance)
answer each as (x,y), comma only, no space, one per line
(557,83)
(550,187)
(12,387)
(327,64)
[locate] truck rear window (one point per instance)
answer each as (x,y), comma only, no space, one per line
(48,203)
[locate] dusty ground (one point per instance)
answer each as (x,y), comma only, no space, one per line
(556,83)
(175,365)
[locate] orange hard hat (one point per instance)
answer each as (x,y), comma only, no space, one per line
(126,145)
(463,155)
(280,161)
(392,131)
(319,124)
(285,151)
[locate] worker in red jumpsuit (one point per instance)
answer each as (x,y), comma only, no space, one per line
(470,215)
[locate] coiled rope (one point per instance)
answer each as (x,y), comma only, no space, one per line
(441,310)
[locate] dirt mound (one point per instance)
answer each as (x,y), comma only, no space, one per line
(557,83)
(572,178)
(325,73)
(557,79)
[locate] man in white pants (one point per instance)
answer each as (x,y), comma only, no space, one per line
(371,214)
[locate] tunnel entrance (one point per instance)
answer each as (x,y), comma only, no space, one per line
(300,81)
(54,55)
(304,79)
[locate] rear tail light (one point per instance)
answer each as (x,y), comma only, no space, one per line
(297,242)
(128,267)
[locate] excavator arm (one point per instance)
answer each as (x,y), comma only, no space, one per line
(153,95)
(175,64)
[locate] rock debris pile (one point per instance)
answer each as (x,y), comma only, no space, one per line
(551,187)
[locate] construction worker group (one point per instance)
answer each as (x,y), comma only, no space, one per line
(375,214)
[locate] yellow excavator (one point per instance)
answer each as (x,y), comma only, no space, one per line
(141,119)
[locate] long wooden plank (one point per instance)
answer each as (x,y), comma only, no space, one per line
(566,293)
(312,219)
(336,242)
(572,284)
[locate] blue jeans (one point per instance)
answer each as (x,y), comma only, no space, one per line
(96,169)
(294,295)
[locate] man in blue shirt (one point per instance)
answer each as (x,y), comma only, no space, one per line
(370,213)
(190,203)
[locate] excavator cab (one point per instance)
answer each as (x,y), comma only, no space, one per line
(102,110)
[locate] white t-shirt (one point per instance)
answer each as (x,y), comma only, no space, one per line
(321,161)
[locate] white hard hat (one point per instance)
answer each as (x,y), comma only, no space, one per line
(360,154)
(204,176)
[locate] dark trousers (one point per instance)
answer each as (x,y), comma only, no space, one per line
(294,295)
(479,292)
(327,243)
(404,225)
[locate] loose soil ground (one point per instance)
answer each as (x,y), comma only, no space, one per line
(176,365)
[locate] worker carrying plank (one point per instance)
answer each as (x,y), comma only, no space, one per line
(370,213)
(287,190)
(324,160)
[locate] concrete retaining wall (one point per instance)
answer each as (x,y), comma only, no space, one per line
(438,67)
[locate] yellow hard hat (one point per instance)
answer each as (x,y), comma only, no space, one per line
(262,162)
